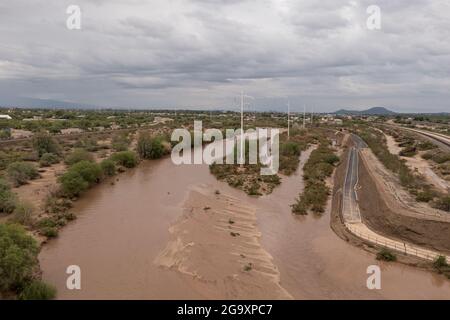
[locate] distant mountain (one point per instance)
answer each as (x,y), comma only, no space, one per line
(41,103)
(378,111)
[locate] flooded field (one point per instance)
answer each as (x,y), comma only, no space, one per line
(123,227)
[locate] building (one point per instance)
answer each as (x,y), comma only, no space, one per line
(5,116)
(71,130)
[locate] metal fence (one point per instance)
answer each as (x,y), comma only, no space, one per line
(396,245)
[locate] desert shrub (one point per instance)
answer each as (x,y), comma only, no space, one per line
(37,290)
(49,232)
(440,262)
(6,158)
(150,147)
(88,144)
(80,177)
(386,255)
(120,142)
(441,157)
(427,155)
(20,173)
(426,145)
(55,204)
(290,148)
(78,155)
(72,184)
(89,171)
(424,196)
(441,265)
(408,151)
(49,226)
(443,203)
(289,157)
(127,159)
(44,143)
(7,198)
(47,159)
(319,166)
(5,134)
(18,256)
(108,167)
(23,213)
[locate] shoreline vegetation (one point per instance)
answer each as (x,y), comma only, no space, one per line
(26,226)
(248,178)
(318,168)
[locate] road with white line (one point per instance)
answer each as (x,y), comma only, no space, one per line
(352,216)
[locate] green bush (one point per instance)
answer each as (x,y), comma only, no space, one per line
(426,145)
(108,167)
(72,184)
(290,148)
(441,157)
(18,256)
(78,155)
(320,165)
(127,159)
(47,159)
(49,232)
(7,198)
(440,262)
(44,143)
(80,177)
(386,255)
(150,148)
(89,171)
(408,151)
(21,172)
(443,203)
(120,142)
(38,290)
(23,213)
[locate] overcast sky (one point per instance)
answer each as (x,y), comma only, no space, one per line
(202,53)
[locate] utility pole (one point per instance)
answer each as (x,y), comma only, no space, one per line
(242,156)
(242,129)
(312,115)
(304,116)
(288,118)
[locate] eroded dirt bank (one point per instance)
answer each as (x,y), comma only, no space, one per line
(379,217)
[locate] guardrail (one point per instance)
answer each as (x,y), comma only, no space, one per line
(396,245)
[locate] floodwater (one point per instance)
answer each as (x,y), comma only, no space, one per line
(122,227)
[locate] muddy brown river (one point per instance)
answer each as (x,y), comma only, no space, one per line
(122,227)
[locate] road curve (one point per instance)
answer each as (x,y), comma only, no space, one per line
(352,217)
(439,139)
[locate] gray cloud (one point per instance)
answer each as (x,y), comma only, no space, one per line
(202,53)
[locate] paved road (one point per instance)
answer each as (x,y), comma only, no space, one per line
(350,206)
(352,215)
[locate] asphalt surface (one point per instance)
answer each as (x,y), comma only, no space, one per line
(350,207)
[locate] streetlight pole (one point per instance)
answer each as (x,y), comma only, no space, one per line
(304,116)
(242,129)
(288,116)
